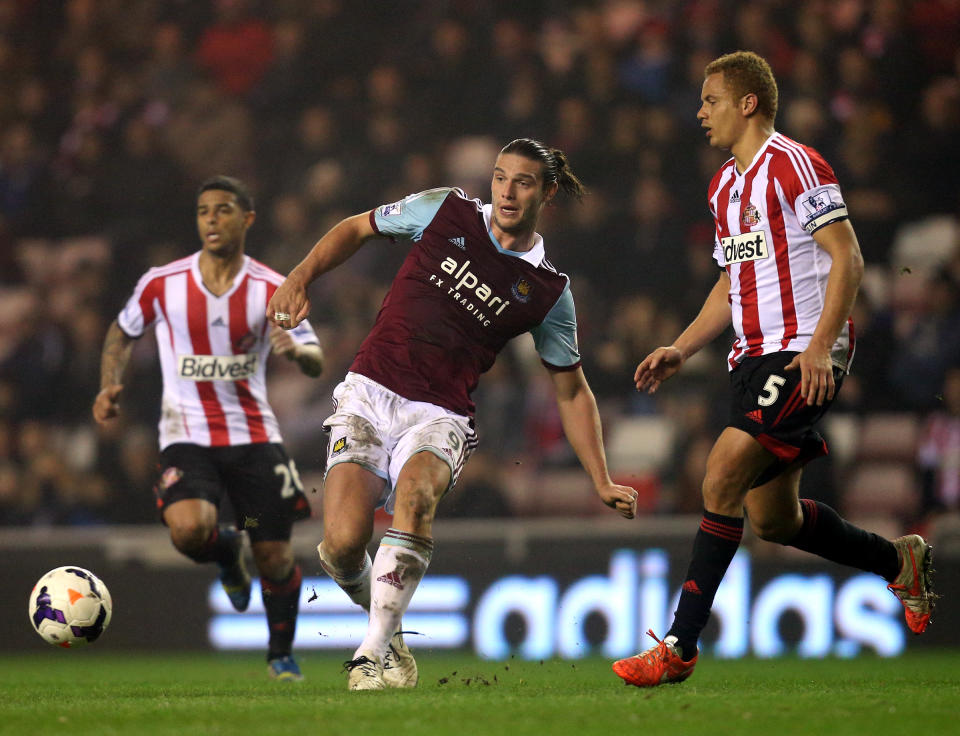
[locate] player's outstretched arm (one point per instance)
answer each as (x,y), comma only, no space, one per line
(714,318)
(308,357)
(113,361)
(289,305)
(581,424)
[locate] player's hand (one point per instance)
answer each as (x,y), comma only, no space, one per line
(107,405)
(282,343)
(657,368)
(816,375)
(289,305)
(622,499)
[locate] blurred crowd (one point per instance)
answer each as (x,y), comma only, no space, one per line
(112,111)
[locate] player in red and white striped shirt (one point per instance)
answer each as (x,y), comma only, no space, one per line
(791,267)
(218,434)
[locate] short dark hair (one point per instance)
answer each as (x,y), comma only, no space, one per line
(232,185)
(555,166)
(745,72)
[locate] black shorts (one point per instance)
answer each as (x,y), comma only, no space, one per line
(766,404)
(259,479)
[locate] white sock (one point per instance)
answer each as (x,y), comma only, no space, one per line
(355,583)
(398,569)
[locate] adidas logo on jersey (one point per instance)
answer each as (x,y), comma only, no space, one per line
(218,322)
(735,197)
(460,242)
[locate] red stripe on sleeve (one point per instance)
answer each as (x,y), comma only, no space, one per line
(154,291)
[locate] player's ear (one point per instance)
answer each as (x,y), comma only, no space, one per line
(550,190)
(249,218)
(748,104)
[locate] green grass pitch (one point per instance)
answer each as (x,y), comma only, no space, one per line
(90,692)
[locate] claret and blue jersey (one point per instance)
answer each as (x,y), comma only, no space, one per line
(456,301)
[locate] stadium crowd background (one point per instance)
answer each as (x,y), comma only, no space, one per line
(112,111)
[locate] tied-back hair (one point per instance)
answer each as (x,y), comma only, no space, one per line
(232,185)
(555,165)
(745,72)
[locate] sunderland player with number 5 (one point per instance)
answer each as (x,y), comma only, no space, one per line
(218,434)
(476,276)
(790,268)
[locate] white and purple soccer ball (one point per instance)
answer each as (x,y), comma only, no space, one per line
(70,607)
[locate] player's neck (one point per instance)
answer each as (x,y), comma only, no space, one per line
(219,270)
(519,242)
(752,140)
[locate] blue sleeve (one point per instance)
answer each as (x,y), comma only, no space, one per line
(556,337)
(304,334)
(408,218)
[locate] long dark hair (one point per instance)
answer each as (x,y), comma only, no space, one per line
(555,166)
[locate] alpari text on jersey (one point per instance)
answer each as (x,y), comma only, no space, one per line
(466,288)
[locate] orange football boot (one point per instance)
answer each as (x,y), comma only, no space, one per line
(658,665)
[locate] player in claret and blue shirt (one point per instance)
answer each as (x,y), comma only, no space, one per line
(476,276)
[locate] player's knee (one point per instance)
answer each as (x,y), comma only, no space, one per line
(722,494)
(340,551)
(275,561)
(190,536)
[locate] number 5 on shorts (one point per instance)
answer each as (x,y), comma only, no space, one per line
(771,391)
(291,478)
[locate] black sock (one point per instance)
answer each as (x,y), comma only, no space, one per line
(714,546)
(281,601)
(826,534)
(220,547)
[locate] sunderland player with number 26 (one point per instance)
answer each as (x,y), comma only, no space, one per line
(476,276)
(218,434)
(790,268)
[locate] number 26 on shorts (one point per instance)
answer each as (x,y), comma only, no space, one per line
(291,478)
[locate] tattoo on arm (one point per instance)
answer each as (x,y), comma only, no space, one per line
(115,356)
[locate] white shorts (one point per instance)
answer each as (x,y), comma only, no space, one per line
(380,430)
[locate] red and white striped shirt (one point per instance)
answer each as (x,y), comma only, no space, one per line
(213,351)
(765,219)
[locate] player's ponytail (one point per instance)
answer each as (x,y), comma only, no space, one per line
(556,169)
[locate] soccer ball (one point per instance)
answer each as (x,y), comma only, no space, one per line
(70,607)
